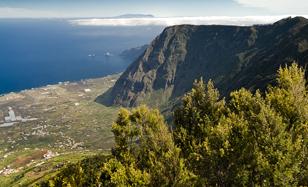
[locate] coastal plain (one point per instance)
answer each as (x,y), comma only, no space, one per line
(69,125)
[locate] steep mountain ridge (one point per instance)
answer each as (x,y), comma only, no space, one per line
(232,56)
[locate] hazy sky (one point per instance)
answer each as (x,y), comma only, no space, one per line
(159,8)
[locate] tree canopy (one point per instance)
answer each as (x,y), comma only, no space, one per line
(249,139)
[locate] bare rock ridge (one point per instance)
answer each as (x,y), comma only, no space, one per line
(232,56)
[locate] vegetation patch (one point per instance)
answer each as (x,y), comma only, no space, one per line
(252,139)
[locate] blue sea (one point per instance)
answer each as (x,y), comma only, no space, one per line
(37,52)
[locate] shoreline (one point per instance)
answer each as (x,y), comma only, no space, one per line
(66,82)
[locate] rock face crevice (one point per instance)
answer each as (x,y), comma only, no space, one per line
(232,56)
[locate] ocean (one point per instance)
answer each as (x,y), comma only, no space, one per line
(37,52)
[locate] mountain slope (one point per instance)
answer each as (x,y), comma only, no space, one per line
(232,56)
(133,53)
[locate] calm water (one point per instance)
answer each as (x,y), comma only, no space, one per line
(34,53)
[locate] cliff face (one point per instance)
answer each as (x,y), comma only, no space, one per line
(231,56)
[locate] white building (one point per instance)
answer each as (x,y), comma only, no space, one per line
(12,117)
(87,90)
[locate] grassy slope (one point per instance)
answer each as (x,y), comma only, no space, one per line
(40,170)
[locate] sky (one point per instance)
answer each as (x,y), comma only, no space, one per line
(158,8)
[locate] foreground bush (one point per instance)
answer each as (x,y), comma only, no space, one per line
(253,139)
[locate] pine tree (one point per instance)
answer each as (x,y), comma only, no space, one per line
(145,147)
(290,100)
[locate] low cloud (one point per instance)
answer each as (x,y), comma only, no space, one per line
(212,20)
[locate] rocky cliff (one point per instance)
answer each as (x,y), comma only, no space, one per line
(232,56)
